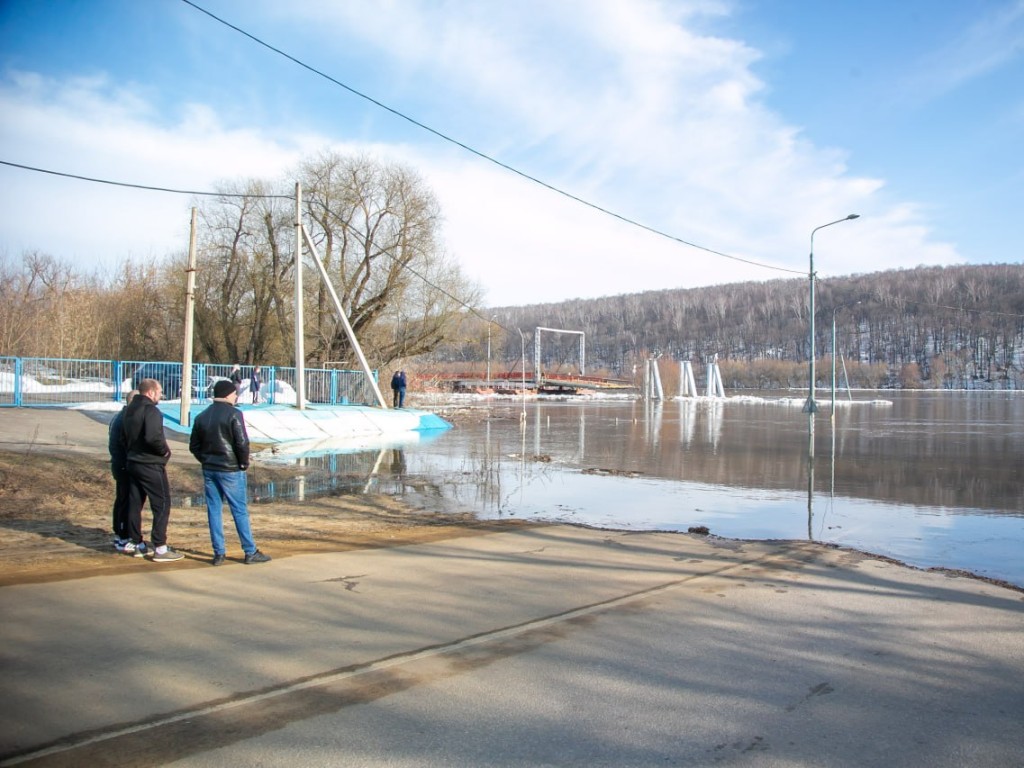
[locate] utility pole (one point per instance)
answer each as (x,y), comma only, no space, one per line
(185,414)
(300,345)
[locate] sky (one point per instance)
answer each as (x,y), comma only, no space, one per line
(729,129)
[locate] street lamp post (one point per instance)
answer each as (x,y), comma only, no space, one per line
(811,407)
(833,414)
(489,322)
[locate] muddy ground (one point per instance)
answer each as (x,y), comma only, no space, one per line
(55,508)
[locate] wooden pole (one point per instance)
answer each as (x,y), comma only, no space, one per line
(185,414)
(300,347)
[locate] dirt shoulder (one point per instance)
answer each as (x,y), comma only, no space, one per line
(55,507)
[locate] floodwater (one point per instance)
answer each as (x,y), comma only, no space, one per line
(932,479)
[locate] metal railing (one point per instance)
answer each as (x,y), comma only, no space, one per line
(50,381)
(332,386)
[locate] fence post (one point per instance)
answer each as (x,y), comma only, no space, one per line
(271,379)
(17,381)
(334,386)
(118,378)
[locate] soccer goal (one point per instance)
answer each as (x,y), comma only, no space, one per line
(537,346)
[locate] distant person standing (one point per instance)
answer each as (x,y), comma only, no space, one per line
(236,377)
(148,454)
(398,384)
(220,443)
(254,384)
(119,469)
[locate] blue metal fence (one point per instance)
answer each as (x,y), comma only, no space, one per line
(330,385)
(50,381)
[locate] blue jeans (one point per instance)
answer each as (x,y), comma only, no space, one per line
(229,486)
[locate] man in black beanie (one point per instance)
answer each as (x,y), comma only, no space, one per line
(221,444)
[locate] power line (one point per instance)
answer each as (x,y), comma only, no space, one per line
(216,194)
(406,266)
(140,186)
(213,194)
(483,155)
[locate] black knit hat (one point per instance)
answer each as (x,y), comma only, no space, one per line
(223,388)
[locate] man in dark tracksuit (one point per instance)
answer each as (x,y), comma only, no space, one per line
(148,454)
(119,469)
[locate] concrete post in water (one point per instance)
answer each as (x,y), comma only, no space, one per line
(715,388)
(687,384)
(657,392)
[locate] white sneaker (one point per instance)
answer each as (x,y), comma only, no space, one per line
(136,550)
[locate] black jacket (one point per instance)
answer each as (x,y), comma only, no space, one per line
(115,441)
(143,427)
(219,439)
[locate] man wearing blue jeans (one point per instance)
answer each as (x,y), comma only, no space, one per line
(221,444)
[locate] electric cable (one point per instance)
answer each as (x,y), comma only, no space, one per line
(140,186)
(483,155)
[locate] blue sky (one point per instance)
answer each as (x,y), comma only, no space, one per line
(732,124)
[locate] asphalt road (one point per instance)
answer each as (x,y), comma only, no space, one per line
(61,430)
(532,647)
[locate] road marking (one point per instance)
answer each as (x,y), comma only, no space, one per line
(71,743)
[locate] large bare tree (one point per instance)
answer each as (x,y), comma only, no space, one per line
(243,302)
(377,228)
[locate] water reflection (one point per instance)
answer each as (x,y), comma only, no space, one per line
(928,478)
(325,475)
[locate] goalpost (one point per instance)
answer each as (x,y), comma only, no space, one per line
(536,350)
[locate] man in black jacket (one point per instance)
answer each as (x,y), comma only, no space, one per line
(148,454)
(221,444)
(119,469)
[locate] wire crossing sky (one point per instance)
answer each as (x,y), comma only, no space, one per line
(739,126)
(481,155)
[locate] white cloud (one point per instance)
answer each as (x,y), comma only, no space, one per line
(87,127)
(638,113)
(625,104)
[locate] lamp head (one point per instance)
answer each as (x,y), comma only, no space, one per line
(853,216)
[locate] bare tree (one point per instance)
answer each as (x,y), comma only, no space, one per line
(377,229)
(242,302)
(23,298)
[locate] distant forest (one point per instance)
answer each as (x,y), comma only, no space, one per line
(940,327)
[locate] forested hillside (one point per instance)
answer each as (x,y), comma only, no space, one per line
(938,326)
(956,327)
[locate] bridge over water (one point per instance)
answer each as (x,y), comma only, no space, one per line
(547,383)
